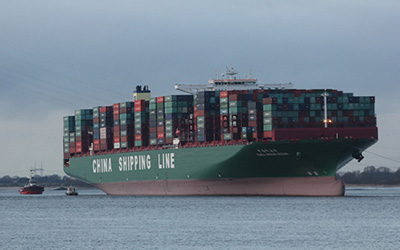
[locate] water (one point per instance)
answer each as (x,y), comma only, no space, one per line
(366,218)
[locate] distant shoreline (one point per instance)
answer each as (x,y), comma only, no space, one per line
(46,188)
(347,185)
(371,185)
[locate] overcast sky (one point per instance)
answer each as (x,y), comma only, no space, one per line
(59,56)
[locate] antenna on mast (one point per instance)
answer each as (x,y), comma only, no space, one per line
(41,168)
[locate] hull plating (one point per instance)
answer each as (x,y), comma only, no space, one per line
(276,168)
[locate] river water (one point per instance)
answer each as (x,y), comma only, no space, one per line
(366,218)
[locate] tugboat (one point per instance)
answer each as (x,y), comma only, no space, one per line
(71,191)
(31,187)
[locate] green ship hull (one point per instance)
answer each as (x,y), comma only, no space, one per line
(305,167)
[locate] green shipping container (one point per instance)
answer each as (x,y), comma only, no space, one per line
(267,107)
(227,137)
(267,127)
(168,128)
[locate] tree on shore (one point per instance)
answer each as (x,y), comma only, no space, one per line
(372,176)
(48,181)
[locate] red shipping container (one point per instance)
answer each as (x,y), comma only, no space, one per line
(139,109)
(116,106)
(138,103)
(233,97)
(117,139)
(116,111)
(105,109)
(78,149)
(160,135)
(138,137)
(96,120)
(160,99)
(72,145)
(268,134)
(169,140)
(116,129)
(223,94)
(252,123)
(96,147)
(124,139)
(116,117)
(201,113)
(160,129)
(267,100)
(125,110)
(71,150)
(153,130)
(78,144)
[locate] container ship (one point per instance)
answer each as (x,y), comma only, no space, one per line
(228,137)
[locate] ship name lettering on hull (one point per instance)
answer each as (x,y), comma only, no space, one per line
(102,165)
(270,152)
(137,162)
(166,160)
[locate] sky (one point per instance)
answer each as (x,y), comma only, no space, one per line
(60,56)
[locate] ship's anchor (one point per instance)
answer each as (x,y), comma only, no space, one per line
(358,155)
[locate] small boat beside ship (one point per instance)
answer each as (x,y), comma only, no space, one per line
(71,191)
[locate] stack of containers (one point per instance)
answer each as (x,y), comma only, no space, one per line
(255,121)
(177,117)
(126,127)
(171,115)
(116,127)
(141,123)
(153,121)
(207,113)
(106,128)
(69,136)
(192,124)
(160,120)
(267,117)
(305,109)
(212,116)
(235,115)
(224,116)
(96,129)
(83,125)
